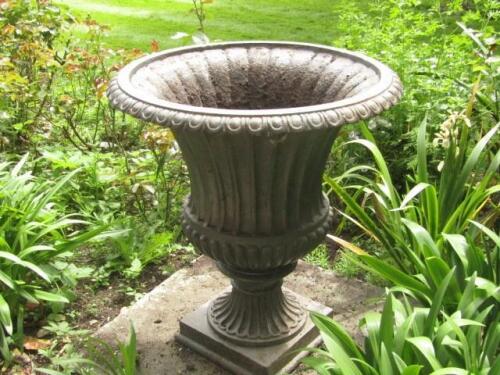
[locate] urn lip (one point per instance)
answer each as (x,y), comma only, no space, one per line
(380,96)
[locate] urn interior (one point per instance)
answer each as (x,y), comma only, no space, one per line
(258,77)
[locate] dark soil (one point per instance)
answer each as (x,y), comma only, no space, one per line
(97,306)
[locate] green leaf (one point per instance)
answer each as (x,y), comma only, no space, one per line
(59,224)
(329,326)
(385,361)
(491,289)
(6,280)
(450,371)
(392,274)
(335,344)
(412,370)
(15,171)
(4,347)
(466,348)
(129,352)
(495,368)
(470,33)
(399,364)
(33,249)
(423,238)
(467,301)
(431,210)
(429,196)
(103,353)
(45,198)
(494,237)
(386,335)
(320,364)
(5,318)
(459,245)
(422,151)
(491,342)
(27,296)
(416,190)
(437,302)
(402,333)
(358,211)
(382,167)
(93,234)
(15,259)
(49,297)
(342,359)
(424,346)
(371,322)
(365,131)
(438,269)
(453,188)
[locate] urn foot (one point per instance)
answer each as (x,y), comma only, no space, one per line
(256,314)
(196,332)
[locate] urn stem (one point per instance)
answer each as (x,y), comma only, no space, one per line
(257,311)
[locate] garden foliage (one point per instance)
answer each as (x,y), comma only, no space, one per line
(434,238)
(87,193)
(36,239)
(441,316)
(84,192)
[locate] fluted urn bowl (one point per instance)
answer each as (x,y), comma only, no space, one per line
(255,122)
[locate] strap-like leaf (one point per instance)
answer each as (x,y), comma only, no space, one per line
(412,370)
(342,359)
(5,319)
(437,302)
(424,347)
(382,167)
(6,280)
(33,267)
(328,325)
(385,361)
(492,235)
(450,371)
(423,238)
(50,297)
(386,335)
(392,274)
(320,364)
(416,190)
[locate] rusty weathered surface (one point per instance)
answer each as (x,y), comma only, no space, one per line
(255,122)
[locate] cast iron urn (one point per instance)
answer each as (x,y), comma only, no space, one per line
(255,122)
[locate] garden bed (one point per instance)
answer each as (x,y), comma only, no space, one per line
(90,199)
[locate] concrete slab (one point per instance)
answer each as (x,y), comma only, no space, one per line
(156,316)
(196,334)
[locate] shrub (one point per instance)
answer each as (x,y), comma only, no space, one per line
(35,239)
(409,340)
(440,255)
(436,61)
(424,233)
(29,64)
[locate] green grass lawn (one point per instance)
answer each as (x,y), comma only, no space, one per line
(135,23)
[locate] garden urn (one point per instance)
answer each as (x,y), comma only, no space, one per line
(255,122)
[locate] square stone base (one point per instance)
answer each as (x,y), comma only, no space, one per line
(196,333)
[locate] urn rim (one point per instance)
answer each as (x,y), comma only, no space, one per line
(372,101)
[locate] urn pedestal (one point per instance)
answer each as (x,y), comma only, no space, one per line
(255,122)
